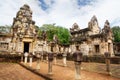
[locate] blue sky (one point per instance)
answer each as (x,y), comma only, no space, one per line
(63,12)
(44,5)
(80,3)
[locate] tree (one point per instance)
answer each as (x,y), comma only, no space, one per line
(51,30)
(63,35)
(5,29)
(116,33)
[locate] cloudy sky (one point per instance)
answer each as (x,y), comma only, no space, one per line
(63,12)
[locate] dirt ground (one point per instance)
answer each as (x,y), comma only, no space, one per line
(90,71)
(13,71)
(95,67)
(68,73)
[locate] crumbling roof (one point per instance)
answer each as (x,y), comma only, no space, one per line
(81,30)
(78,39)
(96,35)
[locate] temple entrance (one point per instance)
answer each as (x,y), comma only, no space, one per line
(26,47)
(97,49)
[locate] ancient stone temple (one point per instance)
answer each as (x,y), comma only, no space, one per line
(23,31)
(92,40)
(23,37)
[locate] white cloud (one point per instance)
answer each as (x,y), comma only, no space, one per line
(63,12)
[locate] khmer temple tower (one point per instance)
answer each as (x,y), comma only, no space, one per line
(92,40)
(23,30)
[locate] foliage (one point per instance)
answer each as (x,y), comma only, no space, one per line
(116,33)
(62,33)
(5,29)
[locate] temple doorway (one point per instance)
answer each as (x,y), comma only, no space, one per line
(26,47)
(97,49)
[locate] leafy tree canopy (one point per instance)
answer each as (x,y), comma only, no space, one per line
(5,29)
(62,33)
(116,33)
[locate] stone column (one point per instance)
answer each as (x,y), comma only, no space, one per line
(112,53)
(38,64)
(77,71)
(38,60)
(41,51)
(42,56)
(22,57)
(107,61)
(26,57)
(50,67)
(55,58)
(64,59)
(77,56)
(107,65)
(50,60)
(30,59)
(47,58)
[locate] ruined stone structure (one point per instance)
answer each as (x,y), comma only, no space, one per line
(24,33)
(92,40)
(117,48)
(23,37)
(5,40)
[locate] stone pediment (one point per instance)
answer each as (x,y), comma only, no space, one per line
(75,27)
